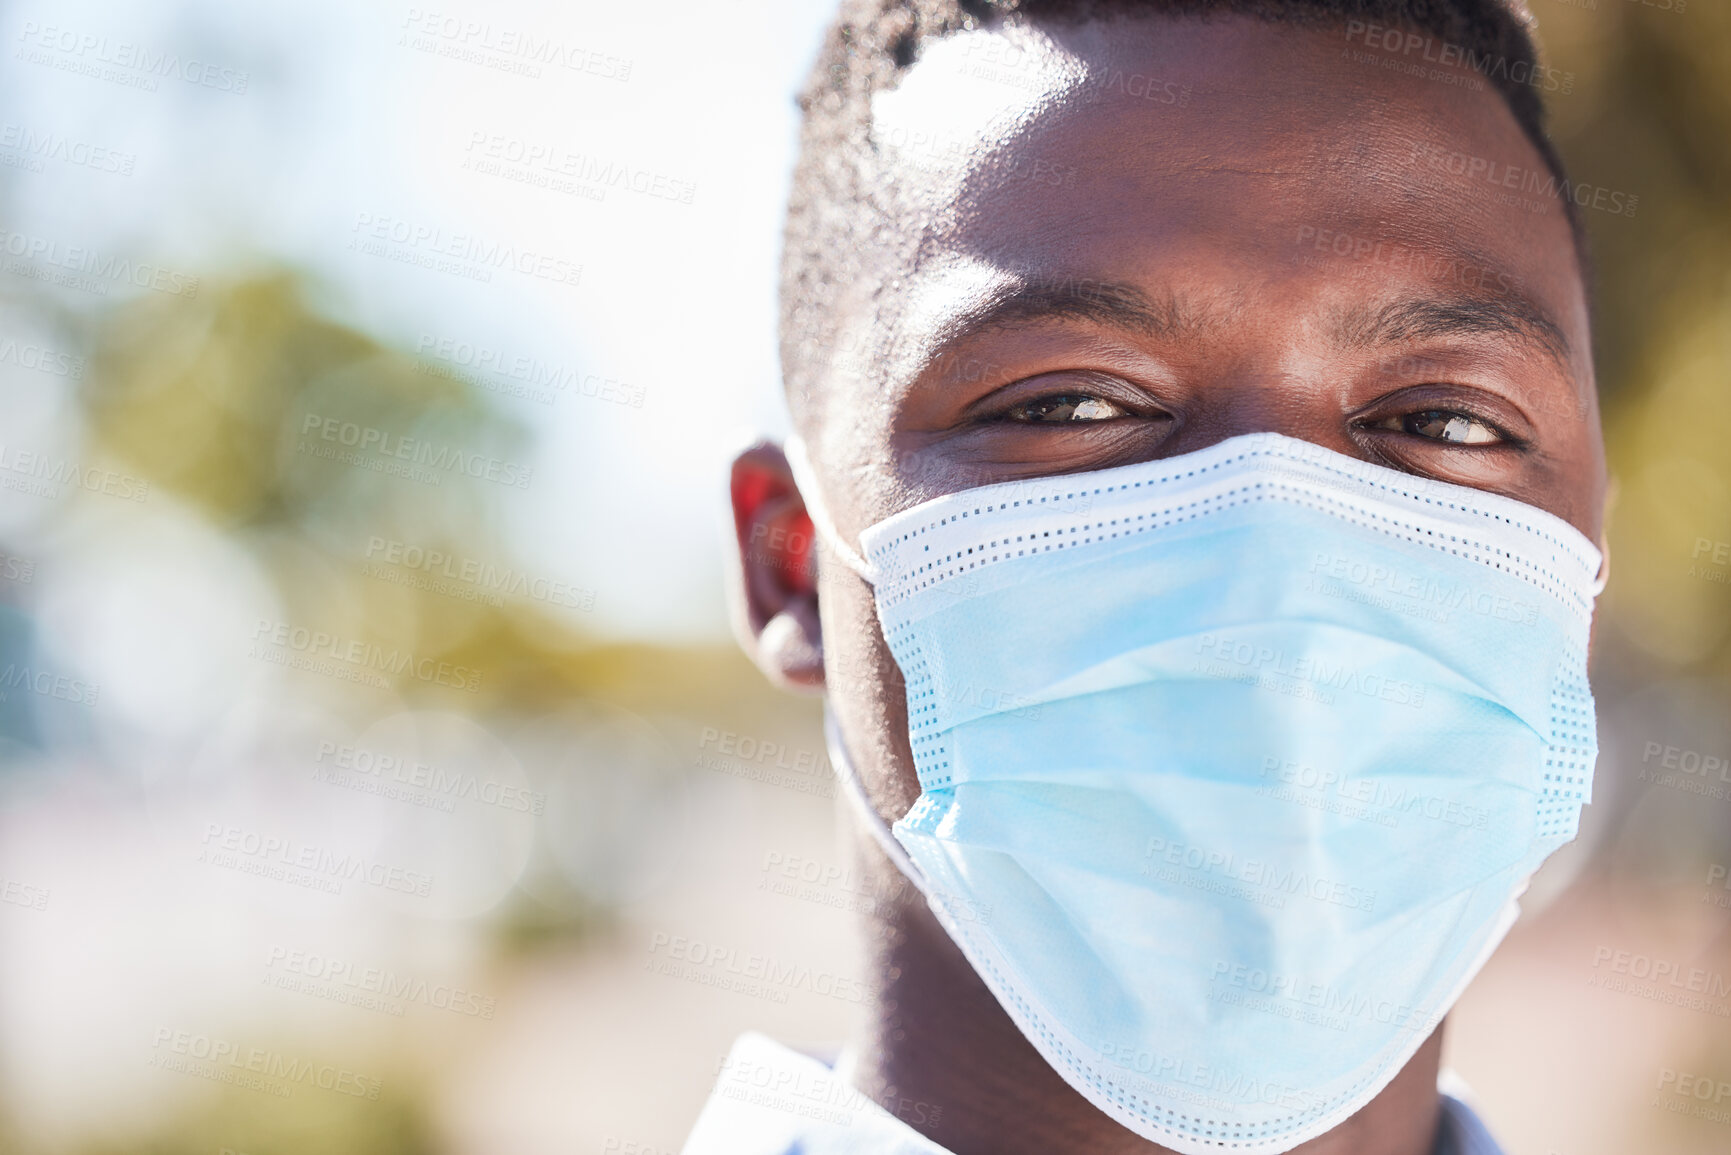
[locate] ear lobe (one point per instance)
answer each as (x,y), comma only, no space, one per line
(775,596)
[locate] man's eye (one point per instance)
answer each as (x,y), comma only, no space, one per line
(1444,425)
(1066,407)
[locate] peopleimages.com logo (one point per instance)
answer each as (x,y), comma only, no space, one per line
(366,439)
(254,1068)
(369,987)
(485,580)
(304,863)
(87,269)
(21,677)
(346,765)
(301,647)
(32,147)
(124,62)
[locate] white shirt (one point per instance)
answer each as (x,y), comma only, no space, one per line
(771,1100)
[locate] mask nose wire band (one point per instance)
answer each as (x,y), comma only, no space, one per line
(827,533)
(855,791)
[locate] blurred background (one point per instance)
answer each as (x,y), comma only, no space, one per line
(369,719)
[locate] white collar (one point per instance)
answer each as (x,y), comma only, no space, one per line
(772,1100)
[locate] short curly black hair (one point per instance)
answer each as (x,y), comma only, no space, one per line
(872,42)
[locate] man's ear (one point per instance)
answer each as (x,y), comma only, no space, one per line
(775,596)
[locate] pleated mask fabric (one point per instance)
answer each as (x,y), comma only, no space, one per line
(1233,765)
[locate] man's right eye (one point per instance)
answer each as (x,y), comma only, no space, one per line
(1449,426)
(1064,408)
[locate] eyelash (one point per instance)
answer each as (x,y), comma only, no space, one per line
(1397,423)
(1082,400)
(1390,423)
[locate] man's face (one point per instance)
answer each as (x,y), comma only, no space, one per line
(1132,240)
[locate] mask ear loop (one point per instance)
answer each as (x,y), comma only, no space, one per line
(827,533)
(874,822)
(803,476)
(1604,574)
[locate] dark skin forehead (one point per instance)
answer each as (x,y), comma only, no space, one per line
(1228,223)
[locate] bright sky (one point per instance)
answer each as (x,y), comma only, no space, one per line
(370,135)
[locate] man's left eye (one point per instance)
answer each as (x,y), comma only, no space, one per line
(1447,425)
(1066,407)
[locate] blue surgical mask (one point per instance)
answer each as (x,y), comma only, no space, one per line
(1232,765)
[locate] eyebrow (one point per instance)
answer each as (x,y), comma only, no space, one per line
(1415,318)
(1111,303)
(1124,306)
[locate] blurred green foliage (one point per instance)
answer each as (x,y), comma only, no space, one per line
(207,397)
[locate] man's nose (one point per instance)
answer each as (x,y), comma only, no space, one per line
(1308,404)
